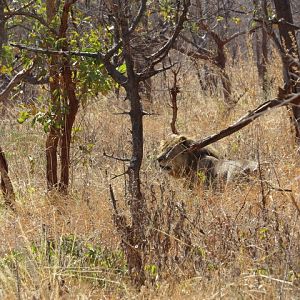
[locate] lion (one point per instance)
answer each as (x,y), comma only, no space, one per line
(201,165)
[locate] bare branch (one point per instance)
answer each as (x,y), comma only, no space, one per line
(160,54)
(113,199)
(174,91)
(116,158)
(119,175)
(131,29)
(122,113)
(201,50)
(146,113)
(96,55)
(205,55)
(233,36)
(151,72)
(116,75)
(214,35)
(32,15)
(13,83)
(246,120)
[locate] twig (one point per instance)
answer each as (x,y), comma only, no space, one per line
(146,113)
(173,91)
(295,203)
(119,175)
(161,53)
(122,113)
(113,199)
(116,158)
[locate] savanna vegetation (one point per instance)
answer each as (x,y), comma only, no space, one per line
(88,90)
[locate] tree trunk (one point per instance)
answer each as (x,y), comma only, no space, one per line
(226,83)
(289,42)
(6,185)
(137,202)
(3,32)
(71,107)
(135,243)
(261,45)
(3,41)
(51,158)
(53,135)
(264,48)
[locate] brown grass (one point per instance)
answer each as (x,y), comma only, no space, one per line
(204,245)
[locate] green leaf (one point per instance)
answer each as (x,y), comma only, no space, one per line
(122,69)
(24,115)
(236,20)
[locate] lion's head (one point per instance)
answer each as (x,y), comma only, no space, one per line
(176,158)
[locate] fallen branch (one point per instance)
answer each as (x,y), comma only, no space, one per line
(245,120)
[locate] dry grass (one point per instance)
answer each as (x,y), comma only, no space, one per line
(204,245)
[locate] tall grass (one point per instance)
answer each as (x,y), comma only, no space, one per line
(203,244)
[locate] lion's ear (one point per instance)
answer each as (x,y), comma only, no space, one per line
(187,142)
(182,138)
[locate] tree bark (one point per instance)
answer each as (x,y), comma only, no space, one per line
(51,158)
(3,32)
(261,41)
(137,202)
(6,185)
(289,43)
(70,103)
(65,106)
(53,135)
(71,107)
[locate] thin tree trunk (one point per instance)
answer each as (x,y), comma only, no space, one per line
(51,158)
(3,40)
(71,108)
(289,42)
(3,32)
(137,202)
(6,185)
(136,240)
(261,40)
(53,135)
(264,47)
(221,63)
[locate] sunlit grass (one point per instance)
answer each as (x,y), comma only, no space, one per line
(68,247)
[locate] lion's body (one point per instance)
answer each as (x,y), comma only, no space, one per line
(201,165)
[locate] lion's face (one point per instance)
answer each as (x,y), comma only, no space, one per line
(173,155)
